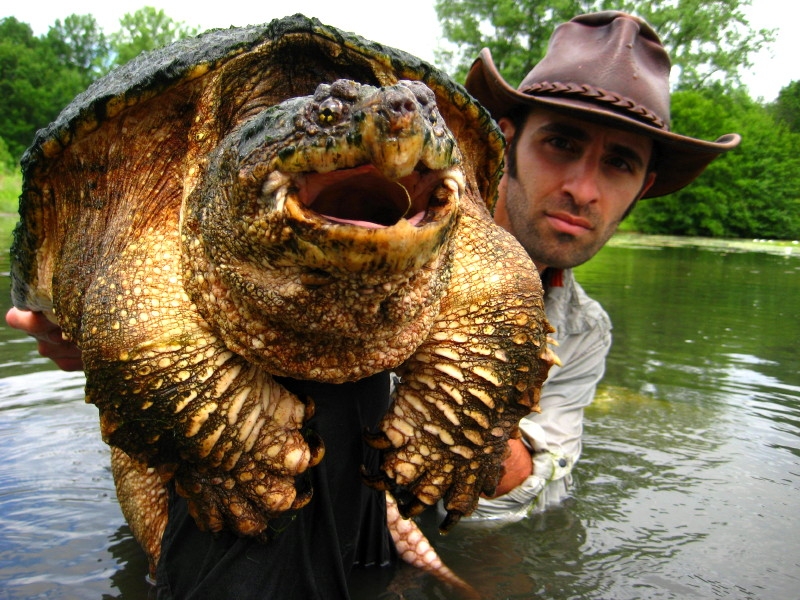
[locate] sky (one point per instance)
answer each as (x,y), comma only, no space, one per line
(410,25)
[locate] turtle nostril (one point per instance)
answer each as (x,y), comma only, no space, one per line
(403,106)
(399,102)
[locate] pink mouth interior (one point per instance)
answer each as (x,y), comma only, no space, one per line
(365,198)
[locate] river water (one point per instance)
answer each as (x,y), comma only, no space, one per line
(689,485)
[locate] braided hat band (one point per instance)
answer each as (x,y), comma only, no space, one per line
(598,95)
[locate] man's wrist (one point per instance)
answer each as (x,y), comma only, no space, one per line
(517,467)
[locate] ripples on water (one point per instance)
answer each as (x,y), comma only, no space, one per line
(688,485)
(687,488)
(61,531)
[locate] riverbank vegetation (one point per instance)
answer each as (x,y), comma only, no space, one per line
(752,192)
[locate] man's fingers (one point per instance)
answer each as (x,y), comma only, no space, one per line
(52,344)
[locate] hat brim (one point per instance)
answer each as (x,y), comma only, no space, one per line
(680,159)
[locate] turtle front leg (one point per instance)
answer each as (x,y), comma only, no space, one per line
(466,387)
(229,434)
(142,497)
(173,397)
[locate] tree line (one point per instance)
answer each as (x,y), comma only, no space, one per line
(752,192)
(40,75)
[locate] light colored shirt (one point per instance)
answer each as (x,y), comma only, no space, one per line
(583,333)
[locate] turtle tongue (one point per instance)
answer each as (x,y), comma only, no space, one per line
(369,225)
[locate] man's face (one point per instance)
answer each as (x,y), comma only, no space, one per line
(573,182)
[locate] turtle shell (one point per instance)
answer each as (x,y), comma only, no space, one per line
(219,79)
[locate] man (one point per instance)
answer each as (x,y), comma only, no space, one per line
(587,137)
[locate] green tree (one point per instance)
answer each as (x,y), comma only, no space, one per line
(80,43)
(707,39)
(34,84)
(7,162)
(786,107)
(146,29)
(753,191)
(39,76)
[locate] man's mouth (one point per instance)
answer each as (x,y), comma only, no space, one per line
(565,222)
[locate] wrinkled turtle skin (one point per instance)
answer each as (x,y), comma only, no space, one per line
(283,199)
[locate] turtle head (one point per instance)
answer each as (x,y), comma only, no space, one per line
(327,217)
(395,129)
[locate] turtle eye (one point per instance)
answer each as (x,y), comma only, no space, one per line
(330,112)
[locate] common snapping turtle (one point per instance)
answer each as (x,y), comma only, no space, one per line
(291,200)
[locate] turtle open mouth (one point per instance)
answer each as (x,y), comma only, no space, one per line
(363,197)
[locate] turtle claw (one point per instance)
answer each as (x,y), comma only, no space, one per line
(302,498)
(310,408)
(316,447)
(377,440)
(411,507)
(449,521)
(220,501)
(377,481)
(407,503)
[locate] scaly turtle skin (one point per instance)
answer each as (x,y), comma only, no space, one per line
(288,200)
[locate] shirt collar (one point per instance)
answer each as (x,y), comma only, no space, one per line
(553,278)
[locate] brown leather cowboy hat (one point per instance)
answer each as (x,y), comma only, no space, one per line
(608,66)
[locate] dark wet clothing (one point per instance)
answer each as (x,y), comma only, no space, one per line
(311,552)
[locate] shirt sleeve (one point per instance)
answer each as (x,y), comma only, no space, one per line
(554,434)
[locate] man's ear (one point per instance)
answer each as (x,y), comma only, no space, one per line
(508,129)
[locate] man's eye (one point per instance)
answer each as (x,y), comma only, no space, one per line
(560,143)
(620,163)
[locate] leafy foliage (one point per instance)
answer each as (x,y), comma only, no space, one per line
(78,42)
(7,162)
(786,108)
(34,84)
(707,39)
(40,75)
(750,192)
(146,29)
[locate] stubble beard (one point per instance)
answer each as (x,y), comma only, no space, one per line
(548,248)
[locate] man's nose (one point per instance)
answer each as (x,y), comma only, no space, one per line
(582,182)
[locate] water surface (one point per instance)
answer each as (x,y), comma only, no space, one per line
(688,486)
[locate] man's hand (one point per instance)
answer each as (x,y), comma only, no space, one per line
(52,344)
(518,467)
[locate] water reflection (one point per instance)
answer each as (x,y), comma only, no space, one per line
(706,341)
(688,486)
